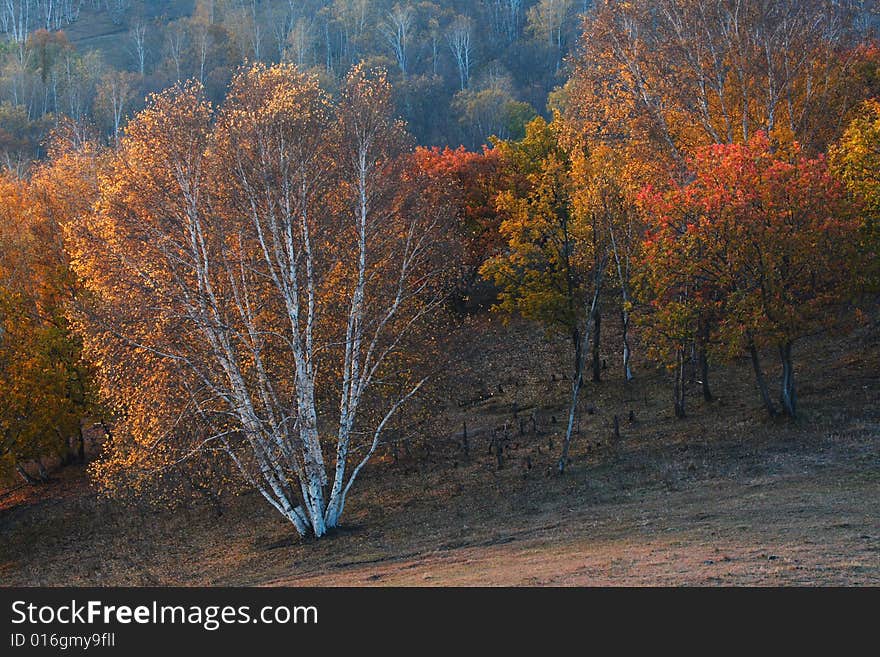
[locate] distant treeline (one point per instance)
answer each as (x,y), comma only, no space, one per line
(462,71)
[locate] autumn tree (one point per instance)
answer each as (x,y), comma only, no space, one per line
(680,299)
(471,180)
(550,270)
(62,189)
(856,160)
(662,79)
(604,193)
(46,47)
(653,83)
(762,244)
(548,21)
(300,43)
(488,109)
(258,274)
(20,138)
(45,386)
(115,96)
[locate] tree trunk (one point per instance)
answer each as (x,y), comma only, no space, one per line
(759,377)
(597,363)
(28,479)
(627,370)
(788,395)
(465,447)
(703,357)
(578,353)
(68,456)
(580,348)
(81,445)
(500,440)
(41,469)
(575,393)
(704,375)
(678,385)
(624,308)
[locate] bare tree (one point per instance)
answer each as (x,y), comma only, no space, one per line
(114,96)
(459,39)
(507,18)
(137,36)
(201,35)
(15,20)
(353,18)
(301,43)
(117,9)
(551,20)
(397,29)
(176,43)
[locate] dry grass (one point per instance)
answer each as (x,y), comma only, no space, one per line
(94,30)
(724,496)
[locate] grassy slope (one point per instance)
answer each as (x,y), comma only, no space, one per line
(94,30)
(724,496)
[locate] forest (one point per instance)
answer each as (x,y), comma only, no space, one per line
(277,251)
(462,71)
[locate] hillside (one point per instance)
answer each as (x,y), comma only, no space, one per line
(463,71)
(322,292)
(721,497)
(95,28)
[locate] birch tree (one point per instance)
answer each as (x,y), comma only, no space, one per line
(459,39)
(548,21)
(114,96)
(397,29)
(602,193)
(507,18)
(260,274)
(138,39)
(201,35)
(16,18)
(177,43)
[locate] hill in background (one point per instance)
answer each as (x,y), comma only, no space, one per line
(463,71)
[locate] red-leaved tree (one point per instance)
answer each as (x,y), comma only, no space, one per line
(757,250)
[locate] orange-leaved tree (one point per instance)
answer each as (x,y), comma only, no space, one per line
(856,160)
(256,274)
(45,386)
(664,78)
(553,265)
(471,180)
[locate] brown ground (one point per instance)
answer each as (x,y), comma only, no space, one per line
(724,496)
